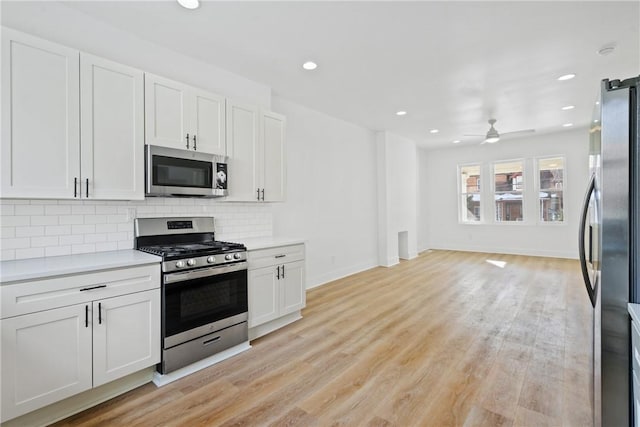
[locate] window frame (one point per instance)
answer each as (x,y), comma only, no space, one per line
(536,165)
(494,207)
(459,193)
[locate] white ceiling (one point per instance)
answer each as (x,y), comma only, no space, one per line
(451,65)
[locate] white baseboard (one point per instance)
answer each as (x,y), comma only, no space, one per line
(509,251)
(339,274)
(160,380)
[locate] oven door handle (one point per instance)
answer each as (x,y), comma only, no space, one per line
(206,272)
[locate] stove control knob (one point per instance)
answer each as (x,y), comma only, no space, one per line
(228,257)
(180,264)
(191,262)
(236,256)
(211,259)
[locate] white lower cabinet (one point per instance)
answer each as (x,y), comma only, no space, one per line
(55,353)
(264,296)
(125,339)
(46,357)
(276,285)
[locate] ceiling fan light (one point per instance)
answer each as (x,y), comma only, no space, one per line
(189,4)
(492,139)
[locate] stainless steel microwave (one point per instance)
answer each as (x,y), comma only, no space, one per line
(173,172)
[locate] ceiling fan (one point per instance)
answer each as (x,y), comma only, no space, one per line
(493,136)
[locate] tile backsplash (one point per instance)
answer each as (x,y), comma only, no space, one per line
(37,228)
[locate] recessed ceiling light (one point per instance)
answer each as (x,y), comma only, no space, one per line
(566,77)
(189,4)
(596,121)
(567,125)
(434,131)
(309,65)
(401,113)
(457,141)
(597,102)
(568,107)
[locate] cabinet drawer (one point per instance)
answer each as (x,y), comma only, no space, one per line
(275,256)
(38,295)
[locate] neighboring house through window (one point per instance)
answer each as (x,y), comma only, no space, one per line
(469,193)
(550,189)
(509,190)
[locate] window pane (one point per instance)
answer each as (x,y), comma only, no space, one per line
(469,191)
(470,203)
(551,197)
(509,186)
(470,179)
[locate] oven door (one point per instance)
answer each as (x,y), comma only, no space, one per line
(202,301)
(172,172)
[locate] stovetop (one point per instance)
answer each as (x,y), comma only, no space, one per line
(186,250)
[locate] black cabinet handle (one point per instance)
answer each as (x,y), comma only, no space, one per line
(258,194)
(283,271)
(195,147)
(187,141)
(99,313)
(86,316)
(87,188)
(75,187)
(280,256)
(263,194)
(93,287)
(278,276)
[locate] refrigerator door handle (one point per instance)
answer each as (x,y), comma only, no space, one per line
(591,290)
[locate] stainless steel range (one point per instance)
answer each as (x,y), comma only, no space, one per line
(204,288)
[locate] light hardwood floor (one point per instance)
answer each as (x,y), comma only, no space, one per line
(450,338)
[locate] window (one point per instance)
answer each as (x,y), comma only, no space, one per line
(469,193)
(508,190)
(551,185)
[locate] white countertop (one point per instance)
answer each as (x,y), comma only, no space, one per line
(634,311)
(269,242)
(38,268)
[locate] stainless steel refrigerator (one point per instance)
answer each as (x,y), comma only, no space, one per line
(609,241)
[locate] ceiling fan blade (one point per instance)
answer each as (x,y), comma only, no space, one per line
(474,134)
(518,131)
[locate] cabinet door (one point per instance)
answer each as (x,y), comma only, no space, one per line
(40,118)
(166,113)
(208,122)
(293,287)
(272,131)
(264,295)
(112,117)
(243,148)
(46,357)
(126,335)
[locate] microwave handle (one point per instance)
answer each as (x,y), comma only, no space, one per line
(187,138)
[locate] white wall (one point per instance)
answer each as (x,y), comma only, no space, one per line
(331,194)
(62,24)
(438,207)
(397,198)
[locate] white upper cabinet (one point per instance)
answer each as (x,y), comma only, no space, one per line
(208,122)
(183,117)
(165,115)
(242,138)
(40,117)
(52,93)
(255,143)
(112,123)
(272,131)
